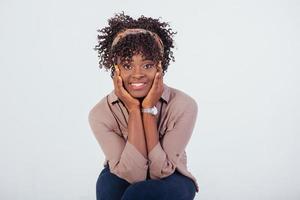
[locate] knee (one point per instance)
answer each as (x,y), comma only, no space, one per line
(102,178)
(109,186)
(188,191)
(102,189)
(133,192)
(144,190)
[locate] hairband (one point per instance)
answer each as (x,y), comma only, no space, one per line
(135,31)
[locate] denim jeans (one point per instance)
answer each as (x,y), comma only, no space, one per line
(174,187)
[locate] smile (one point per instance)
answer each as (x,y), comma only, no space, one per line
(137,86)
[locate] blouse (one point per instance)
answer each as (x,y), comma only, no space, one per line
(177,113)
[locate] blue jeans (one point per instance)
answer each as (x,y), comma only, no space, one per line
(174,187)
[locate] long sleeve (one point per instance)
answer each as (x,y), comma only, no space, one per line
(165,156)
(124,159)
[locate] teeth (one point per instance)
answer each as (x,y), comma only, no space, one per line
(137,84)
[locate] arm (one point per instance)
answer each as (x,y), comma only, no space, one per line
(151,134)
(124,159)
(136,132)
(164,156)
(135,125)
(149,121)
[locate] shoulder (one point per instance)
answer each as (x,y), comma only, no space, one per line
(181,101)
(182,110)
(100,112)
(98,108)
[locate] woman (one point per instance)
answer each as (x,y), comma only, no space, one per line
(143,126)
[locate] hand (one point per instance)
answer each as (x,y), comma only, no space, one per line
(156,90)
(120,91)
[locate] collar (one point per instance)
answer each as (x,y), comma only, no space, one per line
(113,98)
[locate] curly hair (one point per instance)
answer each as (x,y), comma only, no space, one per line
(135,43)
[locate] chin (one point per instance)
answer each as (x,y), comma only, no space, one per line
(138,94)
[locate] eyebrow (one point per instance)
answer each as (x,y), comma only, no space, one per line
(144,60)
(148,60)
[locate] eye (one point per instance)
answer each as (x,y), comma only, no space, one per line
(148,65)
(127,66)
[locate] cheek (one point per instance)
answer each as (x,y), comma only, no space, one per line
(125,80)
(152,76)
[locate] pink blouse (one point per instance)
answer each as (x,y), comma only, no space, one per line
(177,113)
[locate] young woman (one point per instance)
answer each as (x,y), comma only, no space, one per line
(143,126)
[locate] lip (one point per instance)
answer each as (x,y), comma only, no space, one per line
(138,85)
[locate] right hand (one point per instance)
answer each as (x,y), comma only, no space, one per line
(129,101)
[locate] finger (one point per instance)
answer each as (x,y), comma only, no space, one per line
(159,67)
(159,81)
(119,82)
(160,70)
(118,76)
(117,70)
(160,77)
(156,80)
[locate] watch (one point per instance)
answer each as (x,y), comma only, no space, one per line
(152,110)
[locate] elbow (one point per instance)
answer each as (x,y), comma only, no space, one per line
(131,174)
(162,172)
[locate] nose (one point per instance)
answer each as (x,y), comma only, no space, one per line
(137,72)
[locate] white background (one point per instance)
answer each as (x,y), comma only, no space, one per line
(238,59)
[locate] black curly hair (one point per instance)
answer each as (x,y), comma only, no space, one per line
(134,43)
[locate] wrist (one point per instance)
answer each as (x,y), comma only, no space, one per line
(134,109)
(147,105)
(150,110)
(133,106)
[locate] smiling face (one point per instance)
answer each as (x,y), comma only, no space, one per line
(138,75)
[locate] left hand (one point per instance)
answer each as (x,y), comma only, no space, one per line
(156,90)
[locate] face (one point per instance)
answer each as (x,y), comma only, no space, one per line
(138,75)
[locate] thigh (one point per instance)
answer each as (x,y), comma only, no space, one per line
(181,187)
(175,187)
(109,186)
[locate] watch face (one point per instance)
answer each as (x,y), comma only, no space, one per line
(154,111)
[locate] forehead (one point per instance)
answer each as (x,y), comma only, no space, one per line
(134,58)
